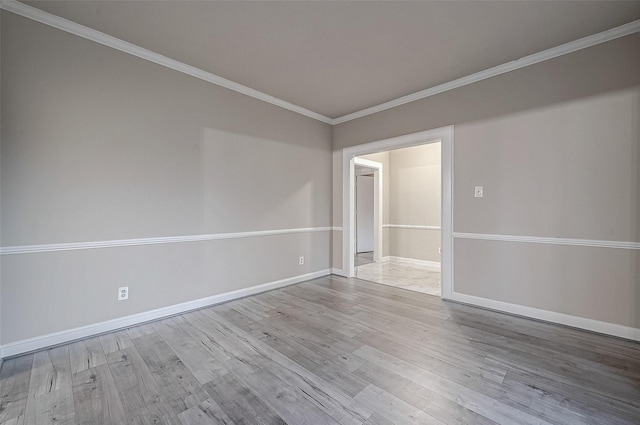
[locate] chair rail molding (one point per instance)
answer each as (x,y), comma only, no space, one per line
(28,249)
(548,240)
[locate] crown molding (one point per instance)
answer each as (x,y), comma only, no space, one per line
(66,25)
(132,49)
(554,52)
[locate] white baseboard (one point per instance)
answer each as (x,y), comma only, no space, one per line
(613,329)
(338,272)
(62,337)
(431,264)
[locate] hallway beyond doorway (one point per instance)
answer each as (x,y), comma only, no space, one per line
(363,258)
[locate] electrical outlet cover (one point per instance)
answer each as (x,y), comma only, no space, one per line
(123,293)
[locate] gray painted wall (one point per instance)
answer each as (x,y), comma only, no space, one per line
(415,199)
(99,145)
(557,148)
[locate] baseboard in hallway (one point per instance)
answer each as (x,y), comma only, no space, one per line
(426,263)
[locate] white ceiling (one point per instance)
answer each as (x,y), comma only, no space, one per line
(336,58)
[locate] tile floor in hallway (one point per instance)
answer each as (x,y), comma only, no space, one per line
(401,274)
(363,258)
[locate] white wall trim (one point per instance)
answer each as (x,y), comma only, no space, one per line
(550,241)
(132,49)
(338,272)
(549,316)
(62,337)
(563,49)
(337,229)
(411,226)
(29,249)
(425,263)
(378,202)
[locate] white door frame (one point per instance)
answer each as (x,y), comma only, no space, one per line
(378,185)
(443,135)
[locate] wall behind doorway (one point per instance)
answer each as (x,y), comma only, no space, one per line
(415,200)
(411,197)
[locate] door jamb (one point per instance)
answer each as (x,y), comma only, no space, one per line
(442,134)
(377,203)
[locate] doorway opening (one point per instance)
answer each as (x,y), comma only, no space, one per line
(411,222)
(368,186)
(408,228)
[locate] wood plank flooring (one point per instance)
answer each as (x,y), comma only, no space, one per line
(330,351)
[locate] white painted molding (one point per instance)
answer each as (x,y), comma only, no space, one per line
(550,241)
(424,263)
(563,49)
(378,201)
(37,343)
(411,226)
(606,328)
(443,134)
(132,49)
(336,229)
(363,162)
(338,272)
(28,249)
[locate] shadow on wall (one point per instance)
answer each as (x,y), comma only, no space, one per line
(250,183)
(605,68)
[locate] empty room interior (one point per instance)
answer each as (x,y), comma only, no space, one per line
(318,212)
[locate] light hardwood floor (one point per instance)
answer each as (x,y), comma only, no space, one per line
(330,351)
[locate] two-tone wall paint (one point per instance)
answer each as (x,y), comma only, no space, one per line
(556,146)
